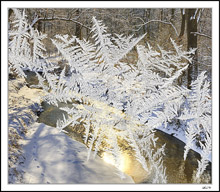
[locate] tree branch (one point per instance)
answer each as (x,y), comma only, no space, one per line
(165,22)
(201,34)
(58,18)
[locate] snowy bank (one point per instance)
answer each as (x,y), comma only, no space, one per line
(53,157)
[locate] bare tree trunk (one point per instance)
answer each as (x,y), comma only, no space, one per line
(192,43)
(183,15)
(161,18)
(172,14)
(39,26)
(182,30)
(78,26)
(10,11)
(161,14)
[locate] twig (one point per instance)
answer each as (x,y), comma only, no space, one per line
(201,34)
(165,22)
(58,18)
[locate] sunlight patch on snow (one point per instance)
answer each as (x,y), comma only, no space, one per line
(124,161)
(108,158)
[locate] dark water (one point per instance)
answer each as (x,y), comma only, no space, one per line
(51,114)
(178,170)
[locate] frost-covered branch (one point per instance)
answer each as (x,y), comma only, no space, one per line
(198,117)
(25,46)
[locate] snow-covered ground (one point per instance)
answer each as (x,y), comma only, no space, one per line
(53,157)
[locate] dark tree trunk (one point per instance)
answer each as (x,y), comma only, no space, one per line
(10,11)
(78,26)
(161,14)
(183,15)
(182,30)
(172,14)
(192,43)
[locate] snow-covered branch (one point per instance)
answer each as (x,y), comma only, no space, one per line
(198,117)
